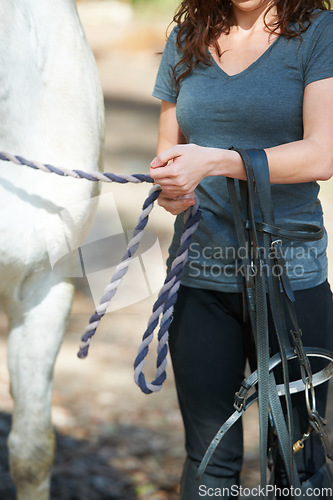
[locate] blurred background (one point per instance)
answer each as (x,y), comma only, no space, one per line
(113,441)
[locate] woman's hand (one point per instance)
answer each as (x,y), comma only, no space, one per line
(176,205)
(180,169)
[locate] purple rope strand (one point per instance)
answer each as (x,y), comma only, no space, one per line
(78,174)
(119,273)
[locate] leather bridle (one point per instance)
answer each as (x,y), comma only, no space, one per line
(266,289)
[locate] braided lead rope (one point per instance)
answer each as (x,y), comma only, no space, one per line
(165,305)
(168,294)
(119,273)
(77,174)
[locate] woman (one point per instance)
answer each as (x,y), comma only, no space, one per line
(249,74)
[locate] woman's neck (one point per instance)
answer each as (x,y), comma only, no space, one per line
(252,20)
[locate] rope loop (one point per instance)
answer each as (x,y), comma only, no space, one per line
(164,305)
(119,272)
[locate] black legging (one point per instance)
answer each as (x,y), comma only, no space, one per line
(209,345)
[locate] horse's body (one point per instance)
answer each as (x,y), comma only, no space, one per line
(51,111)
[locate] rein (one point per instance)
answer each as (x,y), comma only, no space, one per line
(259,284)
(266,287)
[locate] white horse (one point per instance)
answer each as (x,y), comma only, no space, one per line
(51,110)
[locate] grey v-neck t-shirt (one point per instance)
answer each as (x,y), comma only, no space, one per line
(261,107)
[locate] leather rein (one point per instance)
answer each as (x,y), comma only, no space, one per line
(266,289)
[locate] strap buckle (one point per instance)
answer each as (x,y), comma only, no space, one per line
(240,396)
(318,423)
(276,243)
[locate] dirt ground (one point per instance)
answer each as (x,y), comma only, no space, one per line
(113,442)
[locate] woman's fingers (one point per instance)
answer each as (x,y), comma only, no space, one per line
(172,180)
(172,190)
(165,171)
(176,205)
(162,159)
(181,168)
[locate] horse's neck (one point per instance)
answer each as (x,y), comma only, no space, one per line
(47,71)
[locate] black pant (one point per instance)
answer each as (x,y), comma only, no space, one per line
(209,345)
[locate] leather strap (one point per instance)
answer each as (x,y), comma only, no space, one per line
(261,237)
(243,400)
(258,310)
(285,432)
(291,231)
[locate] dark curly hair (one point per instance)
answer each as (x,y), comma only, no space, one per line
(201,22)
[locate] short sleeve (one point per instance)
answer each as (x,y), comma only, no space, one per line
(319,56)
(164,88)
